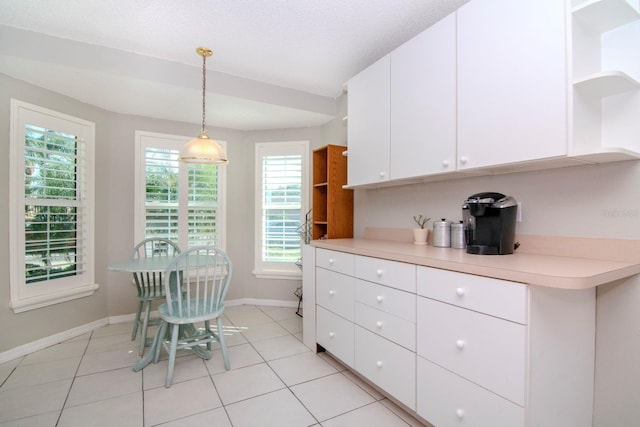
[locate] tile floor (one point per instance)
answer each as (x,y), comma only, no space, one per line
(274,381)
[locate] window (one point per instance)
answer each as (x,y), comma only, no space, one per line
(281,202)
(178,201)
(51,207)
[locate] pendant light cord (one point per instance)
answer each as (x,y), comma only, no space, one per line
(204,85)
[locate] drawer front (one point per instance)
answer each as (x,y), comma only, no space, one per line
(389,366)
(488,351)
(335,292)
(390,273)
(500,298)
(335,334)
(386,325)
(445,399)
(398,303)
(336,261)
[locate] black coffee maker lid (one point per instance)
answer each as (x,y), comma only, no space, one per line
(487,197)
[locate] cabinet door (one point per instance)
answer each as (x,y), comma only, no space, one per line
(423,103)
(368,131)
(512,81)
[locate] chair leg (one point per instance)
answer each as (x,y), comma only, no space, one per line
(172,353)
(136,322)
(207,327)
(145,325)
(156,347)
(223,345)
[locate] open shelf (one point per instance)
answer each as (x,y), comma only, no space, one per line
(604,15)
(606,83)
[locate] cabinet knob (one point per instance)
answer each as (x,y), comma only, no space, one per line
(379,272)
(460,413)
(332,334)
(332,292)
(460,344)
(464,160)
(445,163)
(379,324)
(379,363)
(383,174)
(331,261)
(460,292)
(379,298)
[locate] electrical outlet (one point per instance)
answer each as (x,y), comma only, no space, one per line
(519,212)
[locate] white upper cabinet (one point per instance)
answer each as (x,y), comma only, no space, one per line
(369,122)
(423,103)
(512,82)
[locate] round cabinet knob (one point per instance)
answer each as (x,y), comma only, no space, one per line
(460,292)
(379,324)
(332,292)
(332,334)
(445,163)
(331,261)
(460,344)
(460,413)
(379,363)
(464,160)
(379,298)
(383,174)
(379,272)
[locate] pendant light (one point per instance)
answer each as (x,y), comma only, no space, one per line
(203,149)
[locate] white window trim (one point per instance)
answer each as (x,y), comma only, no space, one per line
(45,293)
(266,270)
(139,191)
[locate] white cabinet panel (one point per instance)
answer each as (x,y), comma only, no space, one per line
(398,303)
(335,334)
(512,81)
(446,399)
(335,292)
(336,261)
(486,350)
(398,275)
(387,365)
(423,103)
(386,325)
(500,298)
(369,124)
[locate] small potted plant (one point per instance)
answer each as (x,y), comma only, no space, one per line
(420,234)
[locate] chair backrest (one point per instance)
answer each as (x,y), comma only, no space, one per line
(155,247)
(205,274)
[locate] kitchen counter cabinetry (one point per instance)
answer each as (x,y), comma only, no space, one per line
(460,348)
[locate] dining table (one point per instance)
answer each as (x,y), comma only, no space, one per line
(155,265)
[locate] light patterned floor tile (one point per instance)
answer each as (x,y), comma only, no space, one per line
(50,419)
(277,409)
(19,402)
(40,373)
(244,383)
(56,352)
(374,415)
(121,411)
(214,418)
(107,361)
(240,356)
(104,385)
(264,331)
(301,367)
(275,348)
(184,369)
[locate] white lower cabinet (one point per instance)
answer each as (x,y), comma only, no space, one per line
(446,399)
(387,365)
(335,334)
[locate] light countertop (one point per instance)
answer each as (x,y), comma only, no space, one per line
(553,270)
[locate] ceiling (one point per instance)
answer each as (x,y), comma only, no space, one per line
(276,63)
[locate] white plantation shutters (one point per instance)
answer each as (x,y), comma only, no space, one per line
(179,201)
(52,224)
(281,197)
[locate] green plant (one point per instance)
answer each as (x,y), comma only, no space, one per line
(421,220)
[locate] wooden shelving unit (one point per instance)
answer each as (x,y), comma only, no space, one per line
(332,204)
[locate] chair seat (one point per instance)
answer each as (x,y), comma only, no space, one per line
(197,312)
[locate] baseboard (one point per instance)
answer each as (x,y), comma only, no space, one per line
(45,342)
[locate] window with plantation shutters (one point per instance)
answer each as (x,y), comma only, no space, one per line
(281,200)
(51,214)
(178,201)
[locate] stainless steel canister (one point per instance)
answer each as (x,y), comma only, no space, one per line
(442,233)
(458,239)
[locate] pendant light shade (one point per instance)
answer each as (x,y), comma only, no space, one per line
(203,149)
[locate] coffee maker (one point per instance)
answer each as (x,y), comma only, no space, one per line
(490,224)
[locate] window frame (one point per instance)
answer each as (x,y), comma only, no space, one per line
(34,295)
(174,142)
(277,270)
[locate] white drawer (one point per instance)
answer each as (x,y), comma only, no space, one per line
(489,351)
(335,292)
(398,275)
(500,298)
(399,303)
(335,334)
(336,261)
(389,366)
(384,324)
(445,399)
